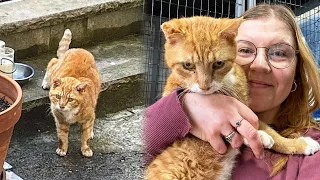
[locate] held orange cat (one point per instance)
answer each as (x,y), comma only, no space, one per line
(75,84)
(201,53)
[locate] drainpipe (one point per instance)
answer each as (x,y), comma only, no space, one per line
(240,7)
(251,3)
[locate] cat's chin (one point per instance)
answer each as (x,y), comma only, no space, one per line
(205,93)
(62,111)
(210,91)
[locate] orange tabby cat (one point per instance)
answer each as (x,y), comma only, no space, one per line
(75,86)
(200,51)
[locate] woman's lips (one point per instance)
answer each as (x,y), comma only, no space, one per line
(259,84)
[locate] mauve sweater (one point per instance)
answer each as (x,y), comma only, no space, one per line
(165,121)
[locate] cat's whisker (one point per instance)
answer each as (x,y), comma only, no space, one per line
(183,92)
(158,96)
(48,111)
(231,90)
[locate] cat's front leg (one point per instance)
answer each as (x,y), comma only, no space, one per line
(63,133)
(301,145)
(87,134)
(45,82)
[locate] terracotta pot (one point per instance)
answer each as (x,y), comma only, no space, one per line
(8,118)
(3,175)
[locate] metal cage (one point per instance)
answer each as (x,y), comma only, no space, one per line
(158,11)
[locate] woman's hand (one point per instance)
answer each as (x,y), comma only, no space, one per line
(213,116)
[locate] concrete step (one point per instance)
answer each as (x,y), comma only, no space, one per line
(33,27)
(117,149)
(120,64)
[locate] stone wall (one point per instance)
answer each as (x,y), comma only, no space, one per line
(31,36)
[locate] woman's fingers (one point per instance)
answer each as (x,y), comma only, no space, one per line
(218,144)
(247,125)
(215,140)
(235,139)
(247,114)
(252,136)
(212,117)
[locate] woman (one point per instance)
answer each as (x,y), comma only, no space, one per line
(283,94)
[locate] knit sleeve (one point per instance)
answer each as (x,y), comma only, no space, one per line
(164,122)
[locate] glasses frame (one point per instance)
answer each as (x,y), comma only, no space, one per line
(268,58)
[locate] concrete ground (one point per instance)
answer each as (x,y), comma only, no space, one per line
(117,149)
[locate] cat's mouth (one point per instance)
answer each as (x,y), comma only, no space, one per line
(61,108)
(212,89)
(206,92)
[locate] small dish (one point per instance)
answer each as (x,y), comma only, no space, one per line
(23,73)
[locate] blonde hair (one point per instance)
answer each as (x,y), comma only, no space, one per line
(295,113)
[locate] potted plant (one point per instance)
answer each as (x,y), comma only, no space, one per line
(11,93)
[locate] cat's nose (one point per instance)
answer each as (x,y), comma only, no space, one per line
(61,107)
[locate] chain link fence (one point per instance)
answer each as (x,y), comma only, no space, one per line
(158,11)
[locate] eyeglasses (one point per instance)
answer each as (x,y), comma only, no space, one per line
(280,55)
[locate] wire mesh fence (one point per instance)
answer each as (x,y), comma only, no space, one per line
(158,11)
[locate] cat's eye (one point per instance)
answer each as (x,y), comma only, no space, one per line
(218,64)
(58,96)
(70,99)
(188,65)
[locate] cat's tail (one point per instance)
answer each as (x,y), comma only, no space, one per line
(64,43)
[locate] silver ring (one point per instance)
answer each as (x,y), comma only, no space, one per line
(238,123)
(229,136)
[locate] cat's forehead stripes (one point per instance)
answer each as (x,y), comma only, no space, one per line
(67,87)
(211,56)
(65,91)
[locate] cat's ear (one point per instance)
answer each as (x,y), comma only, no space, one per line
(231,31)
(56,82)
(81,87)
(172,32)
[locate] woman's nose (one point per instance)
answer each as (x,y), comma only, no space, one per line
(260,63)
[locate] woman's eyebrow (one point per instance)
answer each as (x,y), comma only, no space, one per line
(273,43)
(237,40)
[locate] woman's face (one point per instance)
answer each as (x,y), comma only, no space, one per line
(269,86)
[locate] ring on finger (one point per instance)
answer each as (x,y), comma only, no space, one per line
(238,123)
(229,136)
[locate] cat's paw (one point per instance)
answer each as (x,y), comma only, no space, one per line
(266,139)
(87,152)
(312,145)
(45,85)
(60,152)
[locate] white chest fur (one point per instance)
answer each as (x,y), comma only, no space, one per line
(68,114)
